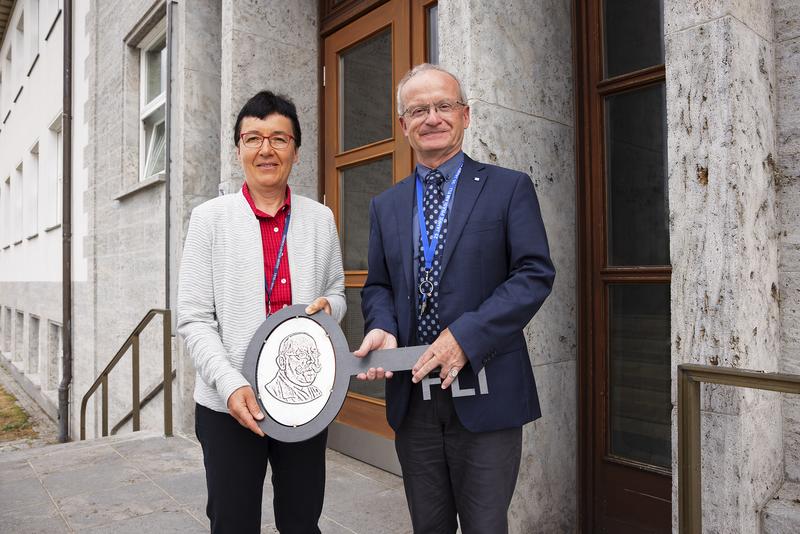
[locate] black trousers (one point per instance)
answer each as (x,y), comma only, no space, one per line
(449,471)
(236,464)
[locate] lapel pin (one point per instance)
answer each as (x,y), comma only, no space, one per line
(477,179)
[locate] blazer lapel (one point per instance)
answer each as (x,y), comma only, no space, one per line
(470,184)
(403,212)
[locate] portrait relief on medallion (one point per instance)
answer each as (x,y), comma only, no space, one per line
(296,371)
(298,367)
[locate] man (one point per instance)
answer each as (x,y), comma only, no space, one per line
(458,258)
(298,367)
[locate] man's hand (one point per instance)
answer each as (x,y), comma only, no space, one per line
(445,353)
(376,339)
(244,408)
(319,304)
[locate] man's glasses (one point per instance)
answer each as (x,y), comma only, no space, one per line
(276,141)
(443,108)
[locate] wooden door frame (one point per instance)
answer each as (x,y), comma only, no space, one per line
(590,89)
(364,18)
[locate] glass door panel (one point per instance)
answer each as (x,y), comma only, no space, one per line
(357,186)
(639,376)
(636,172)
(633,35)
(365,75)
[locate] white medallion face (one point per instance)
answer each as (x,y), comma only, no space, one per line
(295,372)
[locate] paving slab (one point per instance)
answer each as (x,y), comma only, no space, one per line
(33,520)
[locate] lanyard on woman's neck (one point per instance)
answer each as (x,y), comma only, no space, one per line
(268,287)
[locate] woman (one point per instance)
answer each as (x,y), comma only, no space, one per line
(247,255)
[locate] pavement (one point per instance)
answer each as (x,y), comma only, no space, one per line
(143,482)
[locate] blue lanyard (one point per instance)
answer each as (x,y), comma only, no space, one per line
(271,285)
(429,246)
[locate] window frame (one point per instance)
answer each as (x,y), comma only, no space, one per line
(148,147)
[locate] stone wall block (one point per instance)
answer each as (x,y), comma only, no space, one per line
(722,201)
(291,23)
(545,497)
(757,14)
(200,131)
(787,62)
(738,476)
(287,70)
(787,19)
(790,314)
(201,35)
(791,432)
(504,30)
(538,147)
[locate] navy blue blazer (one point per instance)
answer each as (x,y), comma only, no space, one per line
(496,275)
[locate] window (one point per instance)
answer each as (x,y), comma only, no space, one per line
(6,203)
(10,84)
(51,203)
(16,208)
(31,194)
(19,45)
(152,98)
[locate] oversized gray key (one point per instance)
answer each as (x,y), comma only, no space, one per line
(300,367)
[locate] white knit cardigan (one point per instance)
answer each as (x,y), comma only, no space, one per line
(221,294)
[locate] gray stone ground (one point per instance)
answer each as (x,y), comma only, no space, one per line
(143,482)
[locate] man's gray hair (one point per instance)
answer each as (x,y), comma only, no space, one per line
(424,67)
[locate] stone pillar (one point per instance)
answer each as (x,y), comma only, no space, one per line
(522,118)
(195,175)
(787,175)
(271,45)
(724,242)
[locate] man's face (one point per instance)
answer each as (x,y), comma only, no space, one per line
(435,137)
(267,168)
(302,366)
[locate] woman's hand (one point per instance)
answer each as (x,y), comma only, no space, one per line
(319,304)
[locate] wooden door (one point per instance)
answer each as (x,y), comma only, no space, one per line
(625,268)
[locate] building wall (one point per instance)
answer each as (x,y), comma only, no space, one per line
(522,118)
(724,242)
(30,231)
(786,170)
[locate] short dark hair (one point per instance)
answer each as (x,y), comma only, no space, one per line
(264,104)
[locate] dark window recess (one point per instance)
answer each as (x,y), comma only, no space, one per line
(366,74)
(633,35)
(639,373)
(638,232)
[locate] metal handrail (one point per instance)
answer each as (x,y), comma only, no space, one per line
(145,401)
(690,376)
(133,342)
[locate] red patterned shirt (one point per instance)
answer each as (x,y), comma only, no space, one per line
(271,233)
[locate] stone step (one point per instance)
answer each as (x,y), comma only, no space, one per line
(782,514)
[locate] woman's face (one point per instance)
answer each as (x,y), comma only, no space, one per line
(267,169)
